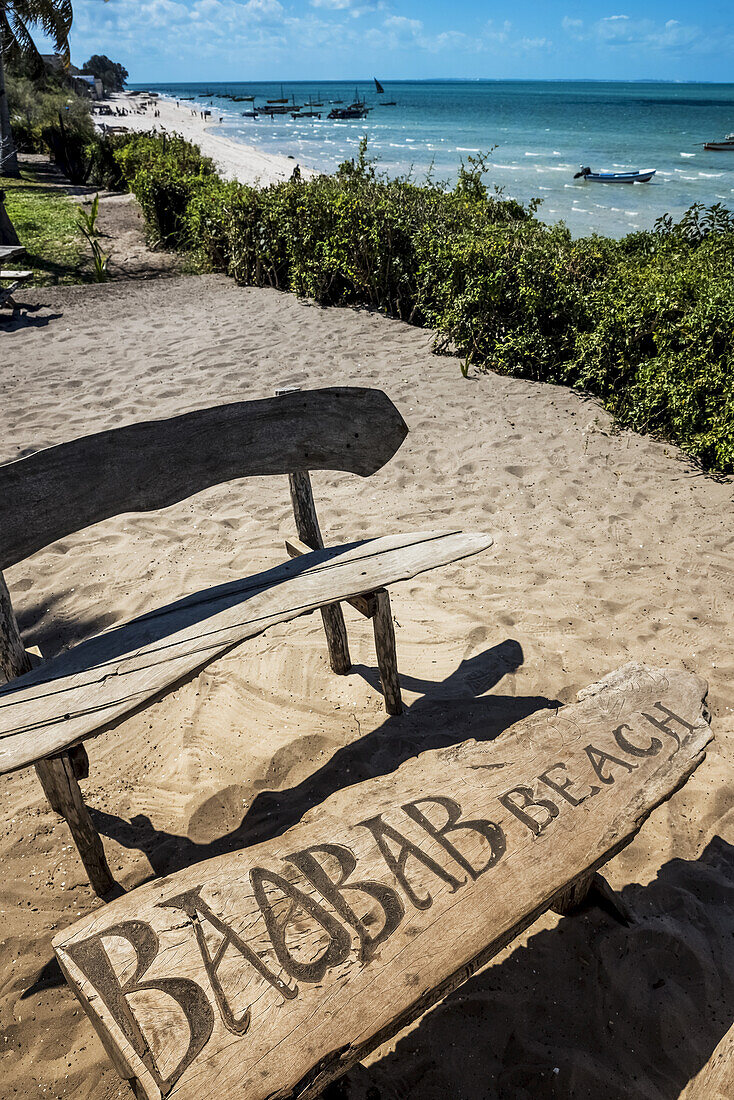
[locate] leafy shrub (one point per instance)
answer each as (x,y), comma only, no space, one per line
(36,107)
(646,324)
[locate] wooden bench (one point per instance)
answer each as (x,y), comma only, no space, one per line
(267,972)
(8,253)
(46,712)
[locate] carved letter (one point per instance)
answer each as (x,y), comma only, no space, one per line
(339,939)
(560,786)
(196,908)
(662,725)
(535,826)
(634,750)
(92,958)
(332,891)
(382,832)
(598,758)
(491,832)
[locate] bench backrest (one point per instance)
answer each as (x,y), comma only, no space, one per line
(268,971)
(143,467)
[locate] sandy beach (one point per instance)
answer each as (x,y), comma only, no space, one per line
(234,160)
(609,547)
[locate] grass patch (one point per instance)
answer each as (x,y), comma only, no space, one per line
(46,223)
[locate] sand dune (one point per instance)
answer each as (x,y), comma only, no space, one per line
(608,548)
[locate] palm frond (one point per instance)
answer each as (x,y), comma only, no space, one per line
(54,17)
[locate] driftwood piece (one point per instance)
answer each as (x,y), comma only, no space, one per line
(267,972)
(64,794)
(591,890)
(6,295)
(14,661)
(366,605)
(387,660)
(58,775)
(99,681)
(142,467)
(307,525)
(716,1080)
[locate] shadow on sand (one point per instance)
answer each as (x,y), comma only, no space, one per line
(449,712)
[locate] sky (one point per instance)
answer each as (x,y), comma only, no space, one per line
(162,41)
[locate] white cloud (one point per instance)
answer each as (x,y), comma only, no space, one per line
(621,31)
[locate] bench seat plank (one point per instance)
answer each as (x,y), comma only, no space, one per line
(267,972)
(89,687)
(10,252)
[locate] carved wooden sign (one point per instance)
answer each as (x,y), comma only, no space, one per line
(267,972)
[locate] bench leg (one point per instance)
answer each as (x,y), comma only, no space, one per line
(336,638)
(387,660)
(592,889)
(63,792)
(307,525)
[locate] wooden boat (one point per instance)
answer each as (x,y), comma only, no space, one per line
(378,87)
(349,112)
(357,109)
(643,176)
(725,146)
(307,111)
(282,98)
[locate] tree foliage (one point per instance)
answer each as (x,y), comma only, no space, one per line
(112,74)
(18,18)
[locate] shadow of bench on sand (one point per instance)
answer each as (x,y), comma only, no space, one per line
(450,711)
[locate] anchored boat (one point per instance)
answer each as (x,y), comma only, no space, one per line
(643,176)
(724,146)
(357,109)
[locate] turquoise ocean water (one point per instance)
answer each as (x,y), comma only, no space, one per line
(543,131)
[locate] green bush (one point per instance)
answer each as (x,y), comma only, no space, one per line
(37,106)
(646,323)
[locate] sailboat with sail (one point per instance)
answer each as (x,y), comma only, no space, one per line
(381,91)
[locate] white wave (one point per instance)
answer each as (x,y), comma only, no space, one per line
(688,154)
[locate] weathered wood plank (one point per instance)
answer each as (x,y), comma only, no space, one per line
(14,661)
(267,972)
(307,525)
(387,660)
(64,794)
(716,1080)
(366,605)
(10,252)
(142,467)
(89,687)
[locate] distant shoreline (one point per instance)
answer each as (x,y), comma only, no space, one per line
(235,160)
